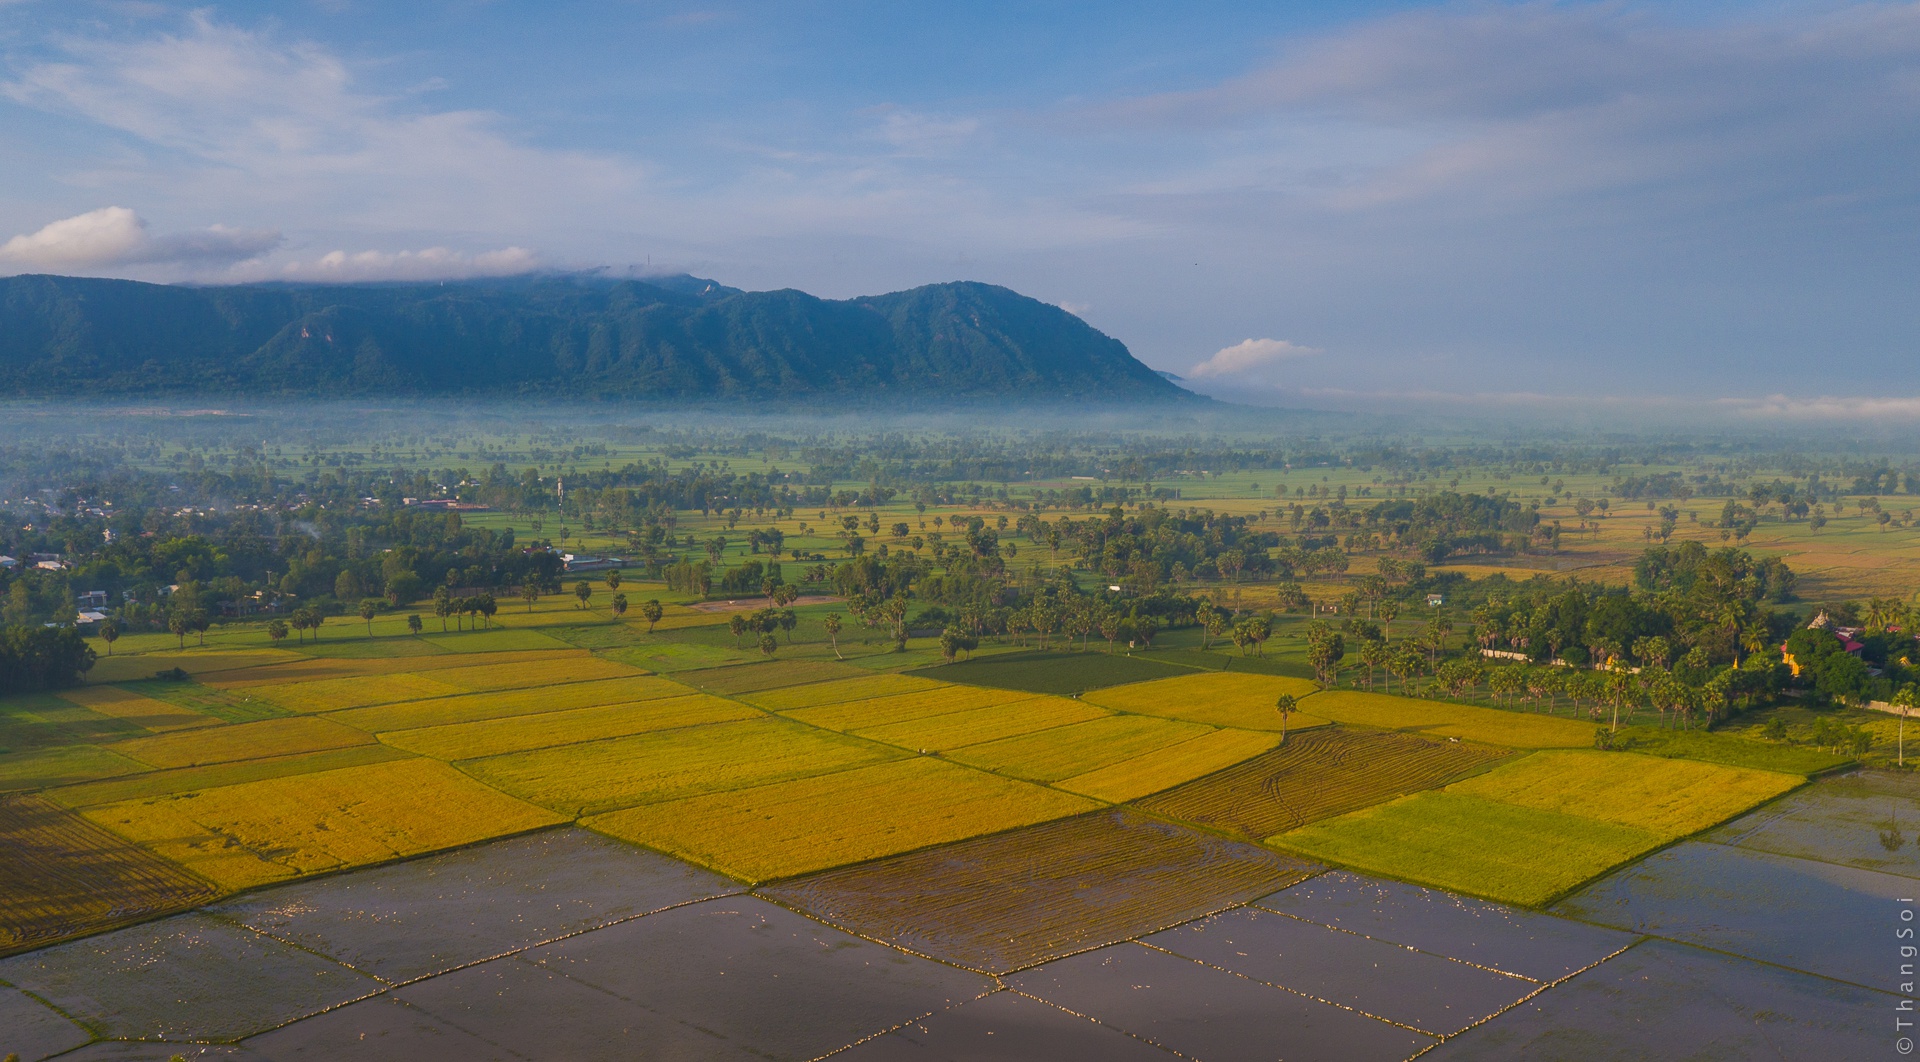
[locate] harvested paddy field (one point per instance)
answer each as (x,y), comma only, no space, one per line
(476,706)
(193,662)
(1218,698)
(797,827)
(838,691)
(1067,751)
(291,667)
(1441,719)
(1473,845)
(1318,775)
(1167,767)
(1000,903)
(243,741)
(1054,672)
(496,737)
(941,733)
(252,833)
(64,875)
(599,776)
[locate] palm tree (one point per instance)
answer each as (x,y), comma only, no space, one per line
(832,623)
(619,605)
(613,579)
(1285,703)
(769,644)
(109,633)
(738,625)
(276,630)
(584,591)
(414,624)
(530,592)
(652,611)
(369,608)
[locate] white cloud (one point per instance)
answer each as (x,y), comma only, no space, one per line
(116,236)
(1826,407)
(1250,354)
(433,263)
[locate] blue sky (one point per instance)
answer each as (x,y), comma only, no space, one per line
(1532,206)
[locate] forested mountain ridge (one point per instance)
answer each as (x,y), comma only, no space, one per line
(678,338)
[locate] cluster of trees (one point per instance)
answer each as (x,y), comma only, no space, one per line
(34,658)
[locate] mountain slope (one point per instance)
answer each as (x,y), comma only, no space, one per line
(681,338)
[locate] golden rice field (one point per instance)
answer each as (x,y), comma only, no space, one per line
(839,691)
(327,695)
(1217,698)
(1067,751)
(1439,719)
(64,875)
(496,737)
(1672,798)
(795,827)
(239,836)
(1174,765)
(972,726)
(147,713)
(62,766)
(901,708)
(472,707)
(109,790)
(599,776)
(481,678)
(241,741)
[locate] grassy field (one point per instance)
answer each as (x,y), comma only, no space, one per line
(771,675)
(795,827)
(253,833)
(524,674)
(147,713)
(62,766)
(1469,844)
(1217,698)
(1318,775)
(1441,719)
(600,776)
(327,695)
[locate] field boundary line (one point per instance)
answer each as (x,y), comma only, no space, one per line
(1397,944)
(1535,994)
(910,1021)
(1291,991)
(1090,1018)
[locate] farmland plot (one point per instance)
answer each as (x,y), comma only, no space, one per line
(310,669)
(975,725)
(899,708)
(256,832)
(1218,698)
(476,706)
(1672,798)
(1317,775)
(613,773)
(244,741)
(64,875)
(496,737)
(147,713)
(62,766)
(1467,722)
(809,824)
(1164,768)
(1014,899)
(111,790)
(327,695)
(838,691)
(753,678)
(516,675)
(1064,752)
